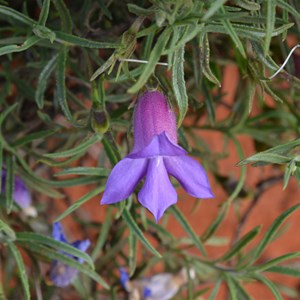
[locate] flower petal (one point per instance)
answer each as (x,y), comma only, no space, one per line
(160,145)
(123,179)
(157,193)
(82,246)
(57,233)
(190,174)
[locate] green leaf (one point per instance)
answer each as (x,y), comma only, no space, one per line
(186,226)
(32,137)
(132,242)
(111,150)
(9,183)
(89,171)
(270,23)
(44,13)
(138,232)
(234,35)
(80,149)
(285,271)
(240,244)
(31,237)
(179,83)
(55,255)
(61,84)
(215,290)
(108,63)
(64,14)
(270,285)
(7,234)
(249,5)
(21,269)
(9,12)
(153,60)
(1,159)
(273,230)
(73,40)
(284,5)
(213,9)
(205,60)
(233,295)
(275,261)
(29,42)
(106,225)
(79,202)
(266,157)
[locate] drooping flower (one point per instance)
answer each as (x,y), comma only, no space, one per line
(61,274)
(155,155)
(21,194)
(162,286)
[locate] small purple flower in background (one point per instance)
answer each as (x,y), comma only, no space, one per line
(162,286)
(155,155)
(61,274)
(21,195)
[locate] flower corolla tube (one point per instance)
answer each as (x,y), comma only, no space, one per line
(60,274)
(155,156)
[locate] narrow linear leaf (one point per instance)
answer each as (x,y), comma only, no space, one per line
(272,287)
(61,84)
(179,83)
(111,150)
(275,261)
(234,35)
(241,292)
(21,269)
(215,6)
(270,23)
(89,171)
(153,60)
(186,226)
(231,287)
(285,271)
(42,81)
(73,40)
(7,234)
(215,290)
(1,159)
(273,230)
(240,244)
(132,241)
(246,4)
(33,238)
(9,183)
(283,4)
(79,202)
(55,255)
(14,14)
(80,149)
(265,157)
(44,12)
(103,233)
(32,137)
(137,231)
(64,14)
(29,42)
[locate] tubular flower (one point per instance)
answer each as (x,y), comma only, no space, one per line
(60,274)
(155,156)
(162,286)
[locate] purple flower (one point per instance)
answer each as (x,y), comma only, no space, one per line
(162,286)
(155,155)
(61,274)
(21,194)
